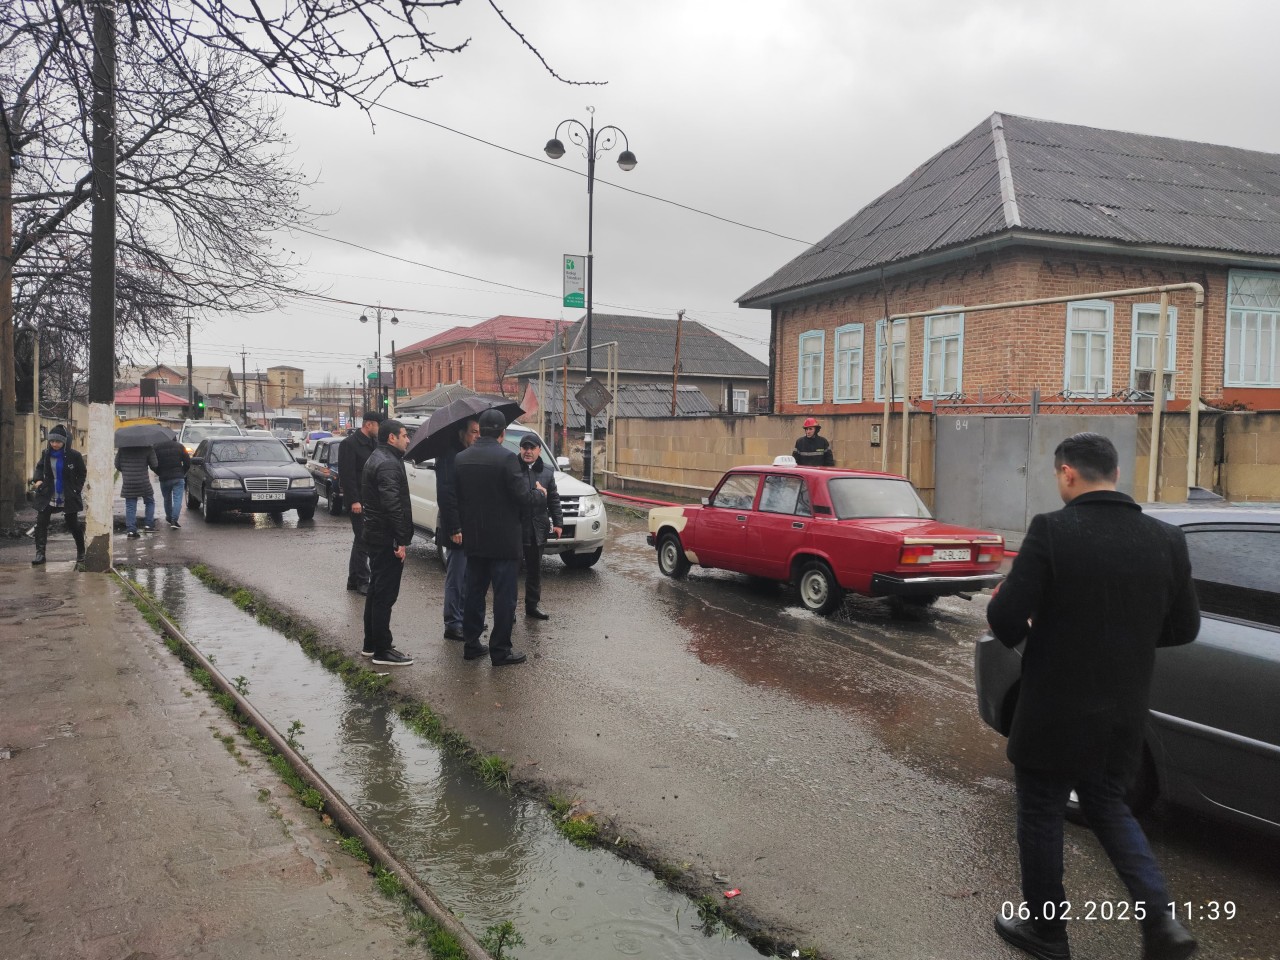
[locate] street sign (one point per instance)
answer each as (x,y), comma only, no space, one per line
(342,421)
(575,281)
(594,396)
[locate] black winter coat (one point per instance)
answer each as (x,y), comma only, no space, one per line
(814,452)
(353,452)
(1103,585)
(172,460)
(493,495)
(448,522)
(544,513)
(73,477)
(132,462)
(384,499)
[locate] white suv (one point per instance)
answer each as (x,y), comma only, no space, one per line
(585,523)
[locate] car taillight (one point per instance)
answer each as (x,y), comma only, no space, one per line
(922,553)
(990,553)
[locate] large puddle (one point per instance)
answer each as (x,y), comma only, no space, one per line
(487,855)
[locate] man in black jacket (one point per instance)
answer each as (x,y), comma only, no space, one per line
(172,463)
(1096,587)
(388,528)
(493,496)
(543,519)
(449,530)
(353,451)
(812,450)
(59,485)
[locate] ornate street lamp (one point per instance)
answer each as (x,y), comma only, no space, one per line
(364,318)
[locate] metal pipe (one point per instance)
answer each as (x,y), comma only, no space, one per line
(886,384)
(334,805)
(1157,402)
(906,406)
(1193,423)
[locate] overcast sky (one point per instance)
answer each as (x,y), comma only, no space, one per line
(787,116)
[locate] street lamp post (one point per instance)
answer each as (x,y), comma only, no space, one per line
(364,318)
(593,142)
(364,389)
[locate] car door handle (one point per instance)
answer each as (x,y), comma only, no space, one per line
(741,518)
(797,525)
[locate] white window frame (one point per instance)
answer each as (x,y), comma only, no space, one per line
(811,378)
(899,357)
(929,339)
(1171,366)
(1108,335)
(848,357)
(1266,322)
(740,402)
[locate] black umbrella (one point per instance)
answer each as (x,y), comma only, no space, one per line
(440,433)
(142,435)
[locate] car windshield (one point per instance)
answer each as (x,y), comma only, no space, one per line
(854,497)
(512,442)
(195,432)
(249,450)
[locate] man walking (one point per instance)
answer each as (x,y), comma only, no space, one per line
(135,482)
(353,452)
(388,528)
(59,485)
(812,450)
(543,519)
(172,462)
(493,496)
(1095,589)
(449,530)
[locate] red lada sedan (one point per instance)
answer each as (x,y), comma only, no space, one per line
(827,531)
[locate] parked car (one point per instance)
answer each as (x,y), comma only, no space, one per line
(249,474)
(323,467)
(193,431)
(314,437)
(1213,733)
(828,531)
(581,541)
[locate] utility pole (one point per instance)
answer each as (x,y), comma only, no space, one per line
(244,390)
(391,400)
(191,387)
(675,370)
(8,389)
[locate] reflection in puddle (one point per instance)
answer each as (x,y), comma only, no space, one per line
(487,855)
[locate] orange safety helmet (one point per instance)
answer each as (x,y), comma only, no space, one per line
(811,422)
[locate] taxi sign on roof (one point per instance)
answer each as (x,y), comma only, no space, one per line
(784,461)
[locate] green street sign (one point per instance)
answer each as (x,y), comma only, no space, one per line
(575,281)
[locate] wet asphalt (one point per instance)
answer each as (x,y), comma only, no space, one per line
(833,770)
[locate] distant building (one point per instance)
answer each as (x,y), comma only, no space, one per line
(479,357)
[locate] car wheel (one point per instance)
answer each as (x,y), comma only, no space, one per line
(671,558)
(208,510)
(335,501)
(580,561)
(819,591)
(1139,797)
(307,513)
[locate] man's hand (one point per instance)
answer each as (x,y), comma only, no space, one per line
(39,484)
(541,488)
(557,531)
(356,508)
(457,538)
(400,552)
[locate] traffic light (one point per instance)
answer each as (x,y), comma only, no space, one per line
(386,404)
(198,412)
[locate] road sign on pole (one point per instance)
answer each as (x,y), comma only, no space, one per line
(575,281)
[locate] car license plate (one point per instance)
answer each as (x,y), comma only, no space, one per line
(944,555)
(267,496)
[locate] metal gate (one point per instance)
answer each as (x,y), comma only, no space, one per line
(995,471)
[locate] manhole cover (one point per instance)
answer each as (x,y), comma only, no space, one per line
(36,604)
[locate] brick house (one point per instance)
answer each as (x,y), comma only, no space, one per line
(1020,209)
(478,357)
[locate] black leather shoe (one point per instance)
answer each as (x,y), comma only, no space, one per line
(476,652)
(511,658)
(1167,939)
(1022,934)
(39,560)
(452,634)
(535,613)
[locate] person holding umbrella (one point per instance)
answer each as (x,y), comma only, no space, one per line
(135,454)
(59,482)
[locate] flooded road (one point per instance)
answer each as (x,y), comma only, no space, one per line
(834,769)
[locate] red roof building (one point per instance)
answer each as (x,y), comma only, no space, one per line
(478,357)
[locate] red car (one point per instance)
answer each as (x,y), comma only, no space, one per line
(828,531)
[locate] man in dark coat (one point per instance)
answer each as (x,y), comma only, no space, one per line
(58,482)
(1096,587)
(388,528)
(493,496)
(172,463)
(353,452)
(542,520)
(812,450)
(449,530)
(135,481)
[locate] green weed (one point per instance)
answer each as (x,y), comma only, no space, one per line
(389,884)
(493,770)
(353,847)
(498,937)
(241,685)
(291,735)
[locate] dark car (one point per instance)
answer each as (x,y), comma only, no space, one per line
(249,474)
(828,531)
(1213,733)
(323,466)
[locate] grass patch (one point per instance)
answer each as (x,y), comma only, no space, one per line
(354,848)
(493,770)
(577,826)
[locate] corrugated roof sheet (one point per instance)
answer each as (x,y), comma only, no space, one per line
(639,400)
(1067,179)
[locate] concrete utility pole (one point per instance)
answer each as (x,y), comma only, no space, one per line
(244,389)
(8,389)
(675,370)
(191,387)
(102,294)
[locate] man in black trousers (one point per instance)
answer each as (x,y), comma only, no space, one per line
(543,520)
(1096,587)
(493,496)
(388,528)
(353,451)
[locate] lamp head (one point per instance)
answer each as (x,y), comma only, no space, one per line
(363,318)
(394,320)
(627,160)
(554,149)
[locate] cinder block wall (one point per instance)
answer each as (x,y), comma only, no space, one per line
(1251,456)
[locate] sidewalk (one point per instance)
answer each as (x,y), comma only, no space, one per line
(128,829)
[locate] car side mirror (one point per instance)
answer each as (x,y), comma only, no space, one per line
(196,461)
(706,501)
(562,464)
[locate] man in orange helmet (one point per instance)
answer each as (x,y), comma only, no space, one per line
(812,450)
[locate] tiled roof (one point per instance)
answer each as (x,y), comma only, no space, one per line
(504,329)
(648,345)
(1014,175)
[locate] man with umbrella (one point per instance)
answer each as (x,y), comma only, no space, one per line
(59,482)
(135,455)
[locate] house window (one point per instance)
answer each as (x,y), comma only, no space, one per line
(943,354)
(739,401)
(848,385)
(812,358)
(899,359)
(1146,331)
(1253,324)
(1087,369)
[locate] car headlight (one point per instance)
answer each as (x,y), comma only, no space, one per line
(303,482)
(591,506)
(232,484)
